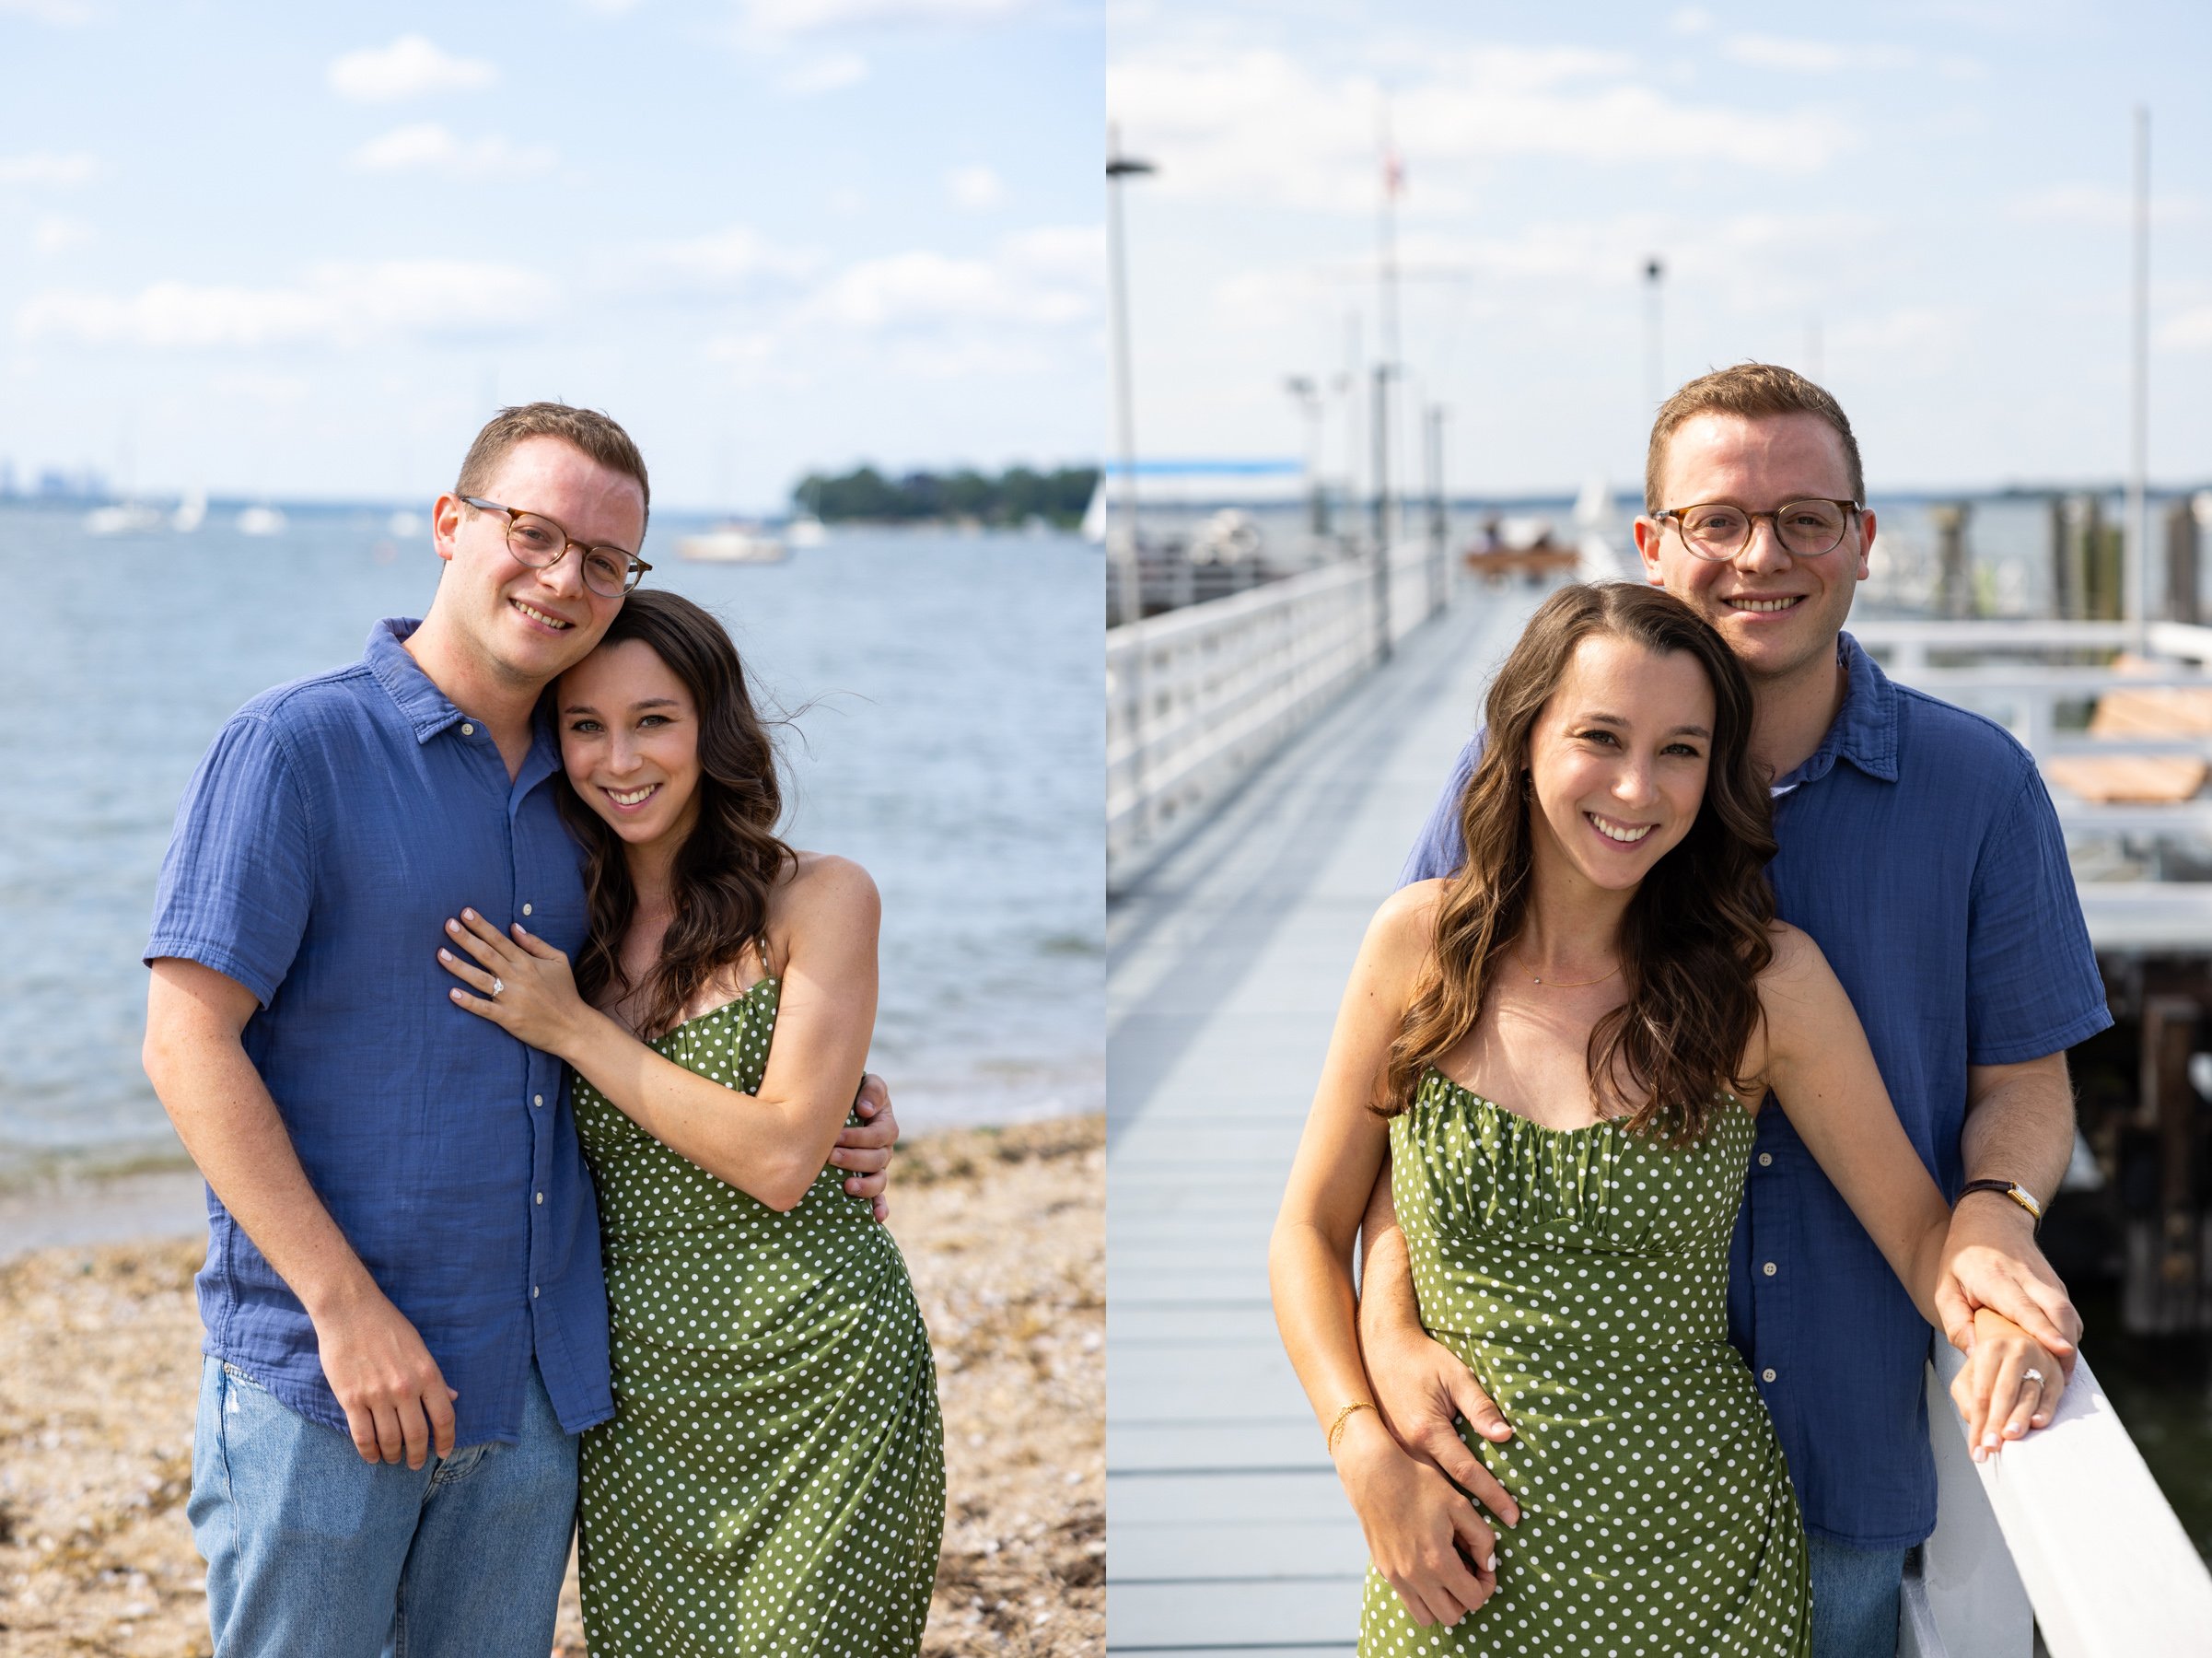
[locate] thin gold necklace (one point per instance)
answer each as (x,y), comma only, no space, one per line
(1574,984)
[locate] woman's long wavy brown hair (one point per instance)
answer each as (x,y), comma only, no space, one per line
(731,860)
(1694,939)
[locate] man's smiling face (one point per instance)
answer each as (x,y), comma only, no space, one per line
(529,624)
(1779,613)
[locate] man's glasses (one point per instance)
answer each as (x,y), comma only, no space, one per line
(1805,529)
(536,541)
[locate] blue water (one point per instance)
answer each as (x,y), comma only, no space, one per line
(954,746)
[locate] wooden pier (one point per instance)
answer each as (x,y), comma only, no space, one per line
(1228,1529)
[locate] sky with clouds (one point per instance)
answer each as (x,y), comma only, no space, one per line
(302,252)
(1926,204)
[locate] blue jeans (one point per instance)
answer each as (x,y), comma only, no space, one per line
(310,1549)
(1855,1596)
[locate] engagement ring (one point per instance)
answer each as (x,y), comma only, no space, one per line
(498,985)
(2035,1377)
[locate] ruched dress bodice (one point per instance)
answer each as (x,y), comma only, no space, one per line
(1582,1275)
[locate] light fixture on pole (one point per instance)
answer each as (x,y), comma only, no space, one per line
(1122,540)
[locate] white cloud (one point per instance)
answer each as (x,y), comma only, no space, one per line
(53,234)
(977,189)
(339,305)
(805,16)
(61,13)
(1691,20)
(2192,330)
(1812,57)
(428,147)
(830,74)
(46,169)
(1258,125)
(2097,207)
(410,67)
(925,289)
(721,262)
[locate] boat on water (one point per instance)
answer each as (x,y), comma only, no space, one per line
(262,521)
(732,543)
(125,518)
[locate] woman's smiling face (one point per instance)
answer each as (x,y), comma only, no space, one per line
(630,741)
(1618,759)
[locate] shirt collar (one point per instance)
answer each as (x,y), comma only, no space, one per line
(1865,729)
(424,706)
(429,710)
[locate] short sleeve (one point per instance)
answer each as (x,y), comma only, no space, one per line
(238,879)
(2033,987)
(1439,851)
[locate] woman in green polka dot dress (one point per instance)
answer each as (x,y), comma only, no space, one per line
(772,1484)
(1562,1048)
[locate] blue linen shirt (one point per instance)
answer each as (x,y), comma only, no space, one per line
(333,826)
(1920,851)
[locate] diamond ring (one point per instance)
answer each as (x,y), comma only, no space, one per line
(499,983)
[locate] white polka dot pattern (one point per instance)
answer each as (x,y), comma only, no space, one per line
(772,1482)
(1582,1274)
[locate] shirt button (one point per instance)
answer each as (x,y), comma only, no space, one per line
(1765,1158)
(467,730)
(1764,1376)
(541,1199)
(525,909)
(534,1295)
(1768,1269)
(537,1099)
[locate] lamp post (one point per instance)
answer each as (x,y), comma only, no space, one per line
(1306,391)
(1654,376)
(2138,396)
(1122,546)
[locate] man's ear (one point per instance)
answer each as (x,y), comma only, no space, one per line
(1648,533)
(444,525)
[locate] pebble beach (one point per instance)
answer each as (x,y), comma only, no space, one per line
(1003,1229)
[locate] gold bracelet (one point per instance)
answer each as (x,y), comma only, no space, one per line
(1337,1428)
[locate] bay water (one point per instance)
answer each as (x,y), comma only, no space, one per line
(948,736)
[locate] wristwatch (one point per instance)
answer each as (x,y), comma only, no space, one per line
(2010,1189)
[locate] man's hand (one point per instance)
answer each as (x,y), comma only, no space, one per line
(395,1397)
(1420,1391)
(1421,1388)
(866,1151)
(1990,1260)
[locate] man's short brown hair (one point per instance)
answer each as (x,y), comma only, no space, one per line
(1756,391)
(587,429)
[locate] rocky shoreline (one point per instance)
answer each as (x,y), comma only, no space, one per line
(1004,1230)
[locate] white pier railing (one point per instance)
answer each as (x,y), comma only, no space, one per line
(2039,679)
(1198,697)
(2064,1532)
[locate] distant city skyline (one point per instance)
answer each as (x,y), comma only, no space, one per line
(769,236)
(1925,206)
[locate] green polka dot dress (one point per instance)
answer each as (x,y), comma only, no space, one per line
(1582,1275)
(772,1482)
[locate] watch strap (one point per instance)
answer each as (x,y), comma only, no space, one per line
(2008,1188)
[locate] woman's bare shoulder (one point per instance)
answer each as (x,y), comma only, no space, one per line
(1404,924)
(820,888)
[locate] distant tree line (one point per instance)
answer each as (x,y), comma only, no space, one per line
(1014,497)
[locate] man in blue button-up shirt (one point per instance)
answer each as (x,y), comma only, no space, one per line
(404,1246)
(1919,849)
